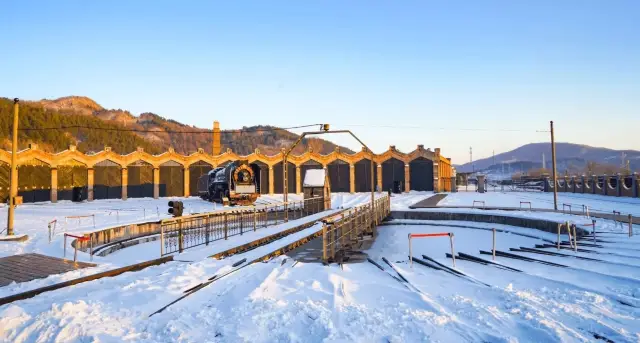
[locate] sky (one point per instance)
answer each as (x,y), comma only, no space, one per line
(450,74)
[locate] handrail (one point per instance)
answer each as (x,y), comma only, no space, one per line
(241,210)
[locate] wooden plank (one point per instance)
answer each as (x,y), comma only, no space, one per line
(4,281)
(109,273)
(27,267)
(39,265)
(13,275)
(68,262)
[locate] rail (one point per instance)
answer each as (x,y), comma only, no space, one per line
(80,217)
(75,246)
(478,202)
(340,233)
(526,202)
(431,235)
(180,233)
(52,229)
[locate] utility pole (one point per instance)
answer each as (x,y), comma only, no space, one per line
(13,190)
(471,159)
(494,157)
(553,163)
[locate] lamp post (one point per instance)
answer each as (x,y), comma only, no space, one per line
(13,190)
(325,130)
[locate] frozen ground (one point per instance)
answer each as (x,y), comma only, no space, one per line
(283,302)
(32,219)
(598,203)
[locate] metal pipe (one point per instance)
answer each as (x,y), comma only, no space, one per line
(558,241)
(161,239)
(569,233)
(575,237)
(553,163)
(593,225)
(630,225)
(493,251)
(453,254)
(410,253)
(13,188)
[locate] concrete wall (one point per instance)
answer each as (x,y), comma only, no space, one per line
(538,224)
(609,185)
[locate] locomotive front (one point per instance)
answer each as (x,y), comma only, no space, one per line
(243,190)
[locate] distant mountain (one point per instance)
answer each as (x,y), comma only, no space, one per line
(569,157)
(85,112)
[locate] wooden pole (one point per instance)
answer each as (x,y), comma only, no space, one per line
(630,225)
(558,242)
(553,163)
(13,188)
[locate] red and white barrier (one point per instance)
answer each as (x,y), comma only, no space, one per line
(431,235)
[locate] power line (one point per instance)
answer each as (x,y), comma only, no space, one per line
(443,128)
(201,131)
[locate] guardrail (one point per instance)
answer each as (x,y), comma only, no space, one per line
(52,228)
(180,233)
(431,235)
(526,202)
(93,216)
(478,202)
(341,232)
(75,246)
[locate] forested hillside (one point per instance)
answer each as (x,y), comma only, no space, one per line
(123,132)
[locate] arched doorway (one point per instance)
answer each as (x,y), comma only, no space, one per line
(34,181)
(339,176)
(392,174)
(421,174)
(5,181)
(363,175)
(277,178)
(310,164)
(70,176)
(140,180)
(171,179)
(107,180)
(197,170)
(261,171)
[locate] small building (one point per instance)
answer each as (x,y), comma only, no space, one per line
(316,184)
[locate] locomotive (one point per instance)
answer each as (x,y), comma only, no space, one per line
(236,182)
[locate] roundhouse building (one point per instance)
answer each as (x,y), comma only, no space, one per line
(44,176)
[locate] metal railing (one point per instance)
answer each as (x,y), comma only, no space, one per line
(180,233)
(341,233)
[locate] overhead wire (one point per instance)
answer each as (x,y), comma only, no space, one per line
(443,128)
(200,131)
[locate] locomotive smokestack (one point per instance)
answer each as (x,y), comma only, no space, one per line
(216,138)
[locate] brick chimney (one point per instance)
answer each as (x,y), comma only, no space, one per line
(217,147)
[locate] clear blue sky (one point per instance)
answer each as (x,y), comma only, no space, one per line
(427,64)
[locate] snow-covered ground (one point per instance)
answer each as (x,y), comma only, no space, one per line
(307,302)
(598,203)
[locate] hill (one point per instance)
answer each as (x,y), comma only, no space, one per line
(148,130)
(569,157)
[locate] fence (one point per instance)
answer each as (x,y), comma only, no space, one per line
(180,233)
(342,233)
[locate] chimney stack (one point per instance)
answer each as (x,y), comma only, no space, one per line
(217,147)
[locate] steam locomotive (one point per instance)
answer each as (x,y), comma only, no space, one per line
(236,182)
